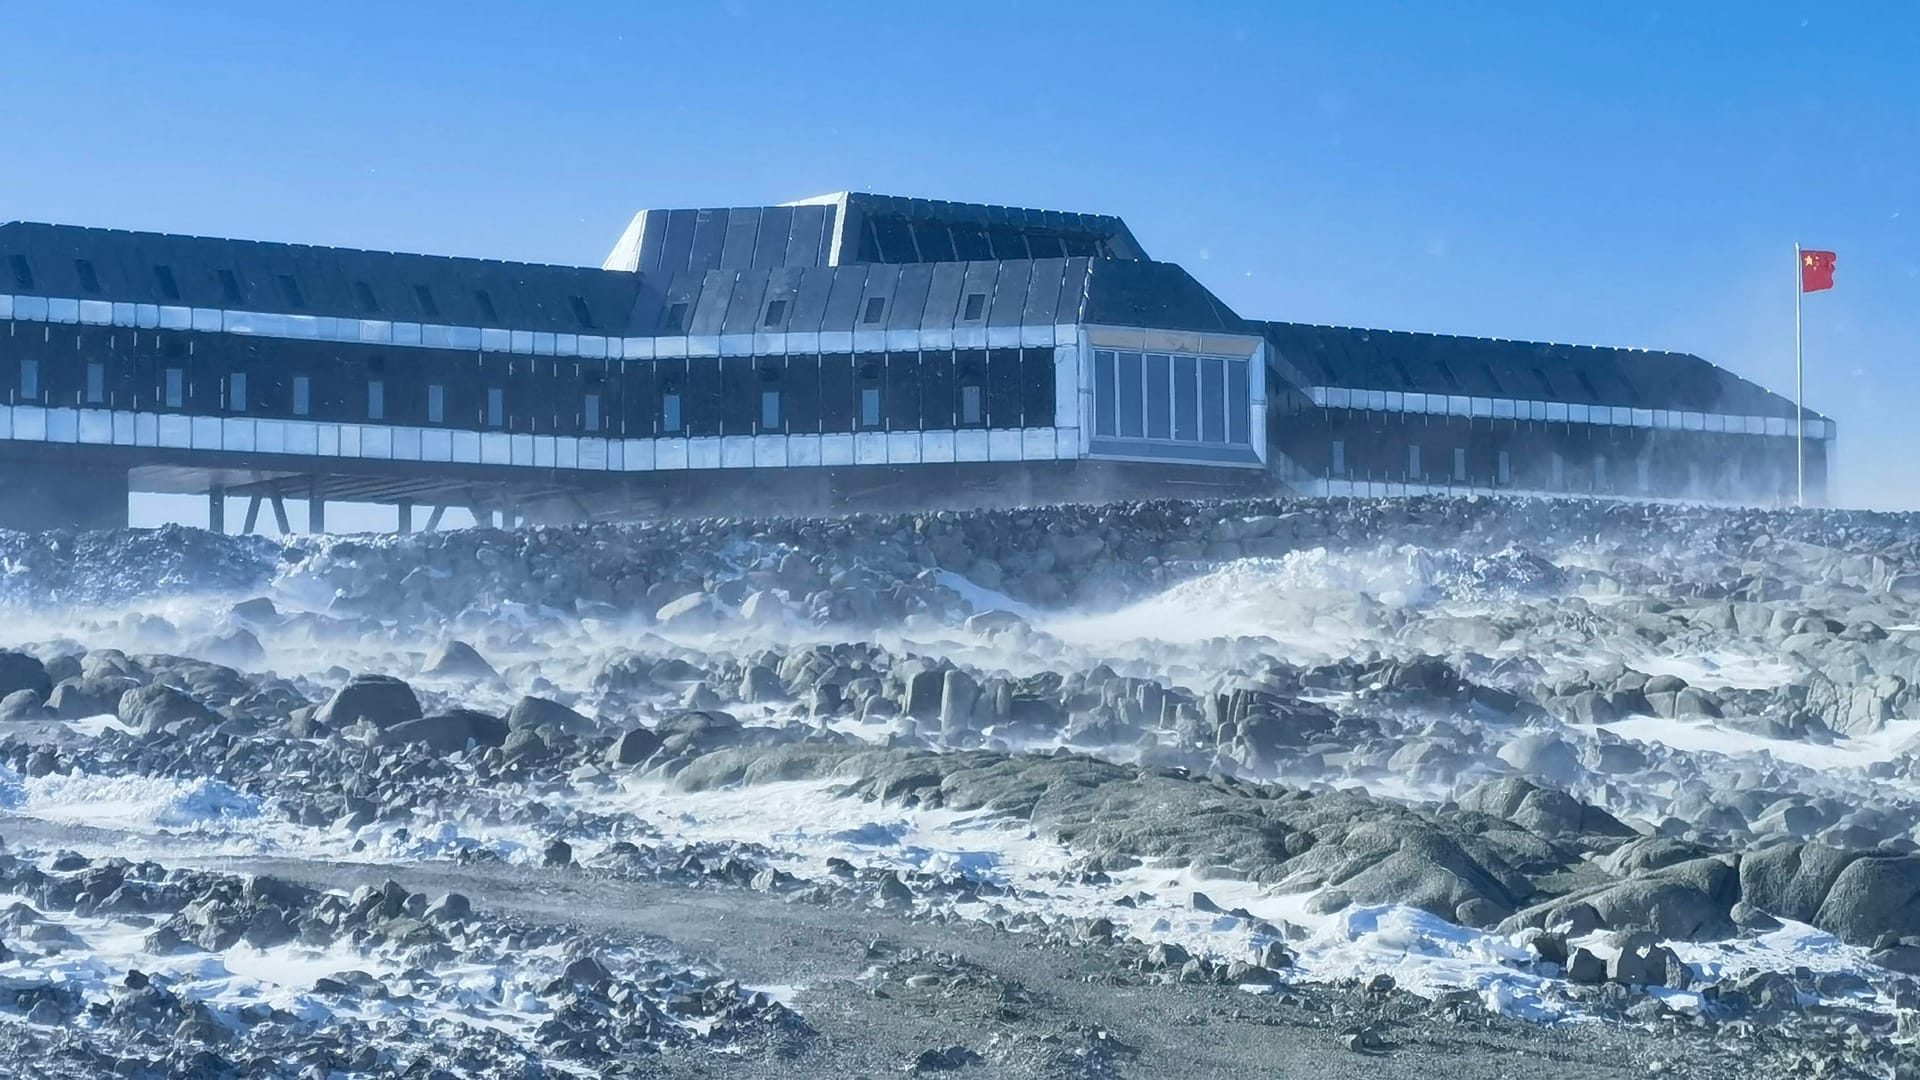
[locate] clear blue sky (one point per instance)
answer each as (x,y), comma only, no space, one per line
(1592,173)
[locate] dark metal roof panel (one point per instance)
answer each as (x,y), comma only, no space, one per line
(743,229)
(709,235)
(745,305)
(910,297)
(710,309)
(981,278)
(1073,290)
(649,305)
(1528,371)
(770,243)
(808,236)
(525,295)
(1043,293)
(843,303)
(881,282)
(810,299)
(783,283)
(1009,301)
(653,237)
(943,296)
(675,248)
(1157,295)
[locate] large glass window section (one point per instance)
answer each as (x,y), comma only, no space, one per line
(1186,398)
(867,378)
(376,399)
(174,388)
(701,407)
(800,401)
(436,403)
(1037,389)
(903,391)
(770,409)
(1003,388)
(1213,399)
(970,369)
(936,390)
(1132,410)
(96,383)
(237,392)
(29,380)
(1103,393)
(590,413)
(302,395)
(838,399)
(1159,396)
(670,422)
(496,407)
(739,396)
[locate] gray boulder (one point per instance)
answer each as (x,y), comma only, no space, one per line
(694,611)
(149,709)
(18,671)
(1873,896)
(760,683)
(958,694)
(633,747)
(446,733)
(380,700)
(1543,811)
(1667,908)
(22,705)
(88,695)
(1853,709)
(1543,756)
(1791,881)
(458,660)
(533,712)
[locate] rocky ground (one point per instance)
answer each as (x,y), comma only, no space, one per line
(1396,788)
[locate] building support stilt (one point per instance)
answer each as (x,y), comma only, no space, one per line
(433,519)
(317,505)
(217,509)
(280,514)
(403,513)
(253,516)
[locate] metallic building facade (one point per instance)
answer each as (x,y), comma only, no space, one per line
(853,350)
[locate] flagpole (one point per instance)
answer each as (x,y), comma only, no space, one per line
(1799,408)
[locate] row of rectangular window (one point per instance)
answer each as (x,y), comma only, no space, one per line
(1394,401)
(891,392)
(388,332)
(1173,397)
(1600,475)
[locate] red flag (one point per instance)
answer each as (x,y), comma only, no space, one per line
(1816,270)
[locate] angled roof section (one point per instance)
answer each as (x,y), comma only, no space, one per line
(892,229)
(849,228)
(869,297)
(1396,360)
(247,275)
(1161,296)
